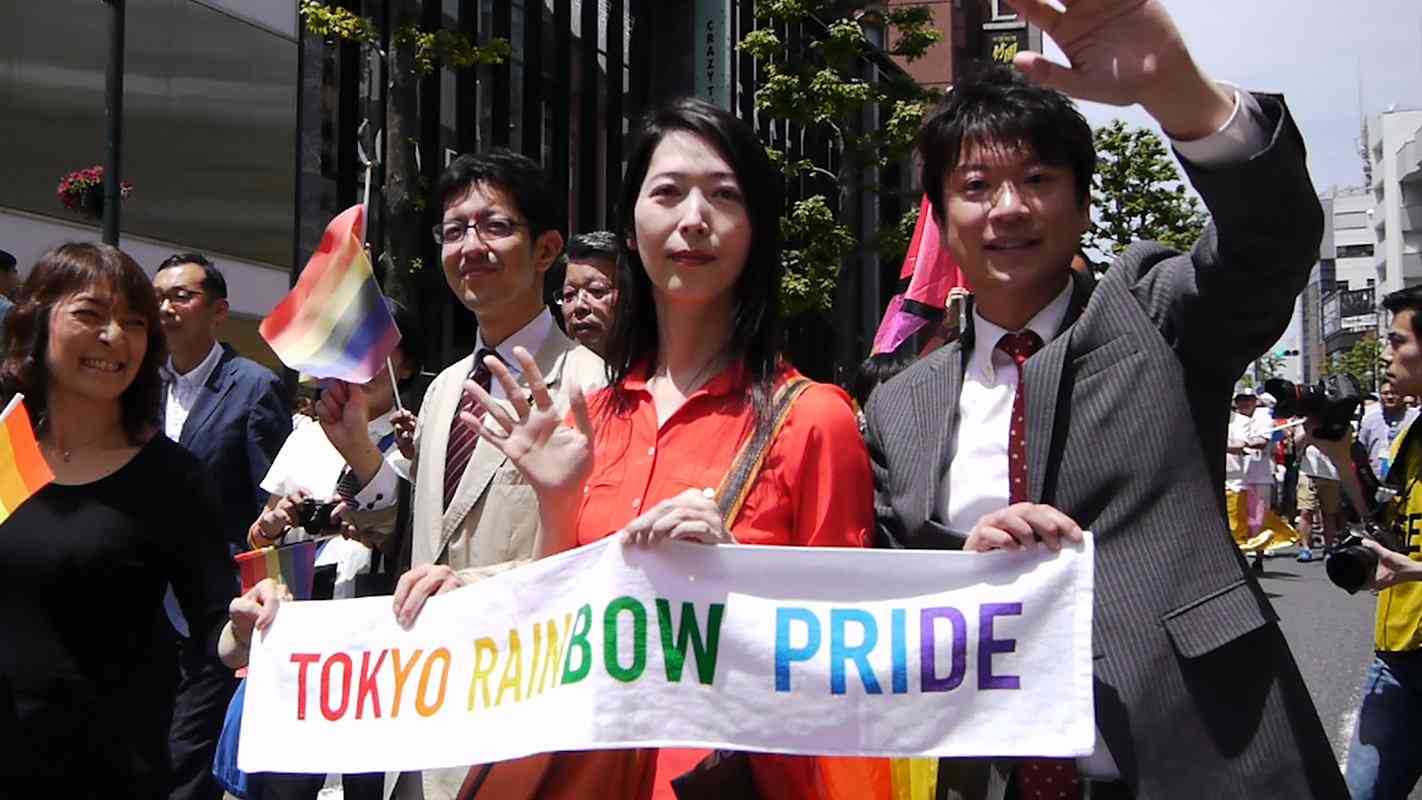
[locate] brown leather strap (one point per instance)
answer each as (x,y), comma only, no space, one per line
(734,488)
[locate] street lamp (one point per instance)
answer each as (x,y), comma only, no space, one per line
(113,123)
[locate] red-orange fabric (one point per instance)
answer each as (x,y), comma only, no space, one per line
(814,489)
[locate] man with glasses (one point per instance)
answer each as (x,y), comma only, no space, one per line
(474,515)
(231,413)
(589,288)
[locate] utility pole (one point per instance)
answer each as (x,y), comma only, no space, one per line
(113,124)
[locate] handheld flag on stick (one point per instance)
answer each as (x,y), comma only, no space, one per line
(334,323)
(928,273)
(292,565)
(23,471)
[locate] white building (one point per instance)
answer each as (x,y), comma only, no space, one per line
(1396,155)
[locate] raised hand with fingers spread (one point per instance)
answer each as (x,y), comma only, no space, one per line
(555,458)
(1124,52)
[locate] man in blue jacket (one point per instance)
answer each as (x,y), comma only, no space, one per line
(232,414)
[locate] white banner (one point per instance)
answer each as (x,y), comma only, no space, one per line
(769,649)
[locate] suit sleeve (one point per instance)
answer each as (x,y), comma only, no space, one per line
(199,565)
(1231,297)
(268,425)
(888,530)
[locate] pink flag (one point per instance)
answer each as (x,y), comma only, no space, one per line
(929,273)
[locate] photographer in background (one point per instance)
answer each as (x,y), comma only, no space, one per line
(1385,757)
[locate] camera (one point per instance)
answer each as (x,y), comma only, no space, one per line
(1351,566)
(314,516)
(1332,402)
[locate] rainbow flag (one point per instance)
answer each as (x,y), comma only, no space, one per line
(292,565)
(859,778)
(927,275)
(23,471)
(334,323)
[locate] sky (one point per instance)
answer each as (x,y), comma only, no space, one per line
(1313,51)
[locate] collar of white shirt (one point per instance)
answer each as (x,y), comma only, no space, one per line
(530,337)
(197,376)
(986,334)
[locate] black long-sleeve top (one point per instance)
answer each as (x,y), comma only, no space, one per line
(86,666)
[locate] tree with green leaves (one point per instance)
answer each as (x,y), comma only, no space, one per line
(827,92)
(406,53)
(1138,194)
(1363,361)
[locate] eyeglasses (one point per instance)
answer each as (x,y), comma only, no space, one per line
(569,295)
(453,232)
(179,297)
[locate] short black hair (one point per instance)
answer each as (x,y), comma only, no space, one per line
(7,262)
(1409,299)
(514,173)
(597,244)
(878,369)
(212,280)
(996,104)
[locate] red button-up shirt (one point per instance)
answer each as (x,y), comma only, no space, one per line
(814,489)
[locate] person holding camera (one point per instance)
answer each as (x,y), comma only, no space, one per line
(308,482)
(1385,756)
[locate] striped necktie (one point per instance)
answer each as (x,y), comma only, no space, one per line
(463,436)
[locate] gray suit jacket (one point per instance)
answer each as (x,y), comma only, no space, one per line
(1197,694)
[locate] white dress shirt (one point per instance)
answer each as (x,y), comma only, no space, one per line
(182,391)
(309,462)
(977,448)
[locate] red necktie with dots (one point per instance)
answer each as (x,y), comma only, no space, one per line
(1037,778)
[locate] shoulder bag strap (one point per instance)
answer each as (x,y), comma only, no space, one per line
(731,494)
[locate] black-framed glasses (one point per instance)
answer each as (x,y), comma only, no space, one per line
(454,231)
(179,296)
(569,294)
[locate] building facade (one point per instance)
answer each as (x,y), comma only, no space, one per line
(209,128)
(1396,155)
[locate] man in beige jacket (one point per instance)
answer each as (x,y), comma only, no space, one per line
(473,514)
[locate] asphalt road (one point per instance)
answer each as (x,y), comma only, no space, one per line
(1331,635)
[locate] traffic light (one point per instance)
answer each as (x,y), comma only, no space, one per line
(1282,353)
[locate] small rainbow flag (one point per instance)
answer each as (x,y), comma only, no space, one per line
(292,565)
(334,323)
(23,471)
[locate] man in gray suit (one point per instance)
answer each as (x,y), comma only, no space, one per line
(1067,405)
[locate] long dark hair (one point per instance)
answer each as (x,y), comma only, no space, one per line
(755,329)
(63,271)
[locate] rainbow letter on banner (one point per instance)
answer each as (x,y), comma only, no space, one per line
(334,323)
(23,470)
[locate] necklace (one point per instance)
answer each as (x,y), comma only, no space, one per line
(694,383)
(67,453)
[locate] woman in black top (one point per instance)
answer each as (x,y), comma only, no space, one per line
(85,668)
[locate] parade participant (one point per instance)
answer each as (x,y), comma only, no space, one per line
(231,413)
(1069,405)
(85,669)
(1381,425)
(474,516)
(1244,447)
(1385,756)
(589,291)
(310,467)
(1320,497)
(694,367)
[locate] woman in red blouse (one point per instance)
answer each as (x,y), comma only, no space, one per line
(694,361)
